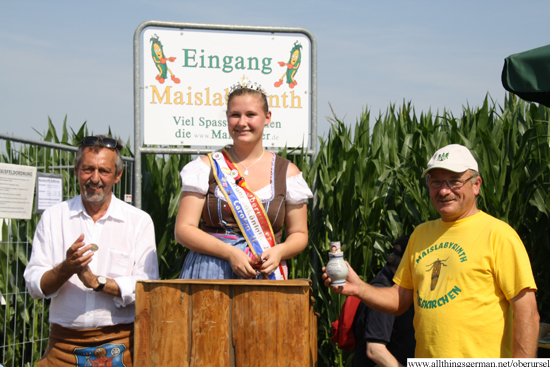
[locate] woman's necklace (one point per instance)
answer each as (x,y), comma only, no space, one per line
(241,163)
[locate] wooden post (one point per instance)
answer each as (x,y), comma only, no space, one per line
(225,323)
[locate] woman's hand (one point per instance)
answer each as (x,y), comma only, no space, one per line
(271,258)
(241,263)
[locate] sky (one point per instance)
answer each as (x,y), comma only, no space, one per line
(75,58)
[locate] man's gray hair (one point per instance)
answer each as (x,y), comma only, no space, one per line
(96,147)
(475,174)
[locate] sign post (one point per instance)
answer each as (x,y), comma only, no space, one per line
(182,72)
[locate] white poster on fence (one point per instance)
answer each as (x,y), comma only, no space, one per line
(16,191)
(186,75)
(49,191)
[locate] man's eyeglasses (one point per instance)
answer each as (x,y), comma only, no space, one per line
(452,184)
(90,141)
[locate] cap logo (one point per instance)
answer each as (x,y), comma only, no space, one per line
(443,156)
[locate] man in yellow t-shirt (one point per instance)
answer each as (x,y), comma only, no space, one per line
(467,273)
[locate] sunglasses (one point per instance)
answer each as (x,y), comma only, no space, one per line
(91,141)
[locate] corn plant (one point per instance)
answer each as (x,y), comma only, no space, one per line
(161,196)
(368,191)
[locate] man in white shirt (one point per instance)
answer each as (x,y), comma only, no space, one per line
(88,252)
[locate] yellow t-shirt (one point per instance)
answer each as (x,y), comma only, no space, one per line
(462,274)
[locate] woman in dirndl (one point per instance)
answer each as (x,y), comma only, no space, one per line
(219,220)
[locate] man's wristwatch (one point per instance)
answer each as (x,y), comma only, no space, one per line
(102,281)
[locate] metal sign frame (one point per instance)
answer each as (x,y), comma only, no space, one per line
(58,177)
(140,149)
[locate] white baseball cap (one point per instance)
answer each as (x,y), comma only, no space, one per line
(453,157)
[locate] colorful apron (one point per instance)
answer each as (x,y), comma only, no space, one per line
(110,346)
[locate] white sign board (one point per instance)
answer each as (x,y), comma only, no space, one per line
(16,191)
(186,75)
(49,191)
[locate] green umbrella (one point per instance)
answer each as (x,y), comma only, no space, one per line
(527,74)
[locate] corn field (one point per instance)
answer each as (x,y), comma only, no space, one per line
(368,191)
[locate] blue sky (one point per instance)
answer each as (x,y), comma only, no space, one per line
(74,57)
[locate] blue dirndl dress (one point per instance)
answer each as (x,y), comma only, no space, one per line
(201,266)
(218,221)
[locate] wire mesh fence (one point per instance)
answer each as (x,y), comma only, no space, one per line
(24,321)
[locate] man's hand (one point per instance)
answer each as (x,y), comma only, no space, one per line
(353,282)
(379,354)
(393,300)
(88,278)
(76,259)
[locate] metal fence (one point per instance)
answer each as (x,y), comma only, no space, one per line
(25,320)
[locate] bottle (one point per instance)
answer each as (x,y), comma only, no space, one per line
(335,247)
(336,268)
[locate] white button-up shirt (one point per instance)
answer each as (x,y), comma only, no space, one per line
(127,253)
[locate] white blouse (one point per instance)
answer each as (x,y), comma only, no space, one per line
(195,174)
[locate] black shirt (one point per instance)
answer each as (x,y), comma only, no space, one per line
(397,333)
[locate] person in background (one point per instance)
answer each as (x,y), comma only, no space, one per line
(87,254)
(238,238)
(382,339)
(467,273)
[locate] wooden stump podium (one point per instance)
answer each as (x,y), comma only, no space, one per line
(224,323)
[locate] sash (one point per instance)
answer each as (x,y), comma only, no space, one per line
(246,207)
